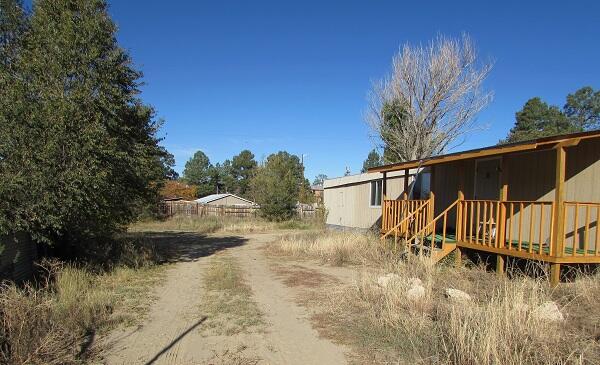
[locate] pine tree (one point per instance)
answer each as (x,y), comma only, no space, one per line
(373,160)
(583,108)
(538,119)
(243,167)
(199,171)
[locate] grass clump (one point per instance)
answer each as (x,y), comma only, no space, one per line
(228,303)
(57,320)
(336,248)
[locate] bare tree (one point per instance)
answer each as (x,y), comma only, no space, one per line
(430,99)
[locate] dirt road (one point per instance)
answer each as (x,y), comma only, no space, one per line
(174,331)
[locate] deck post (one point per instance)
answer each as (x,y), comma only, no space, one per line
(431,212)
(554,275)
(406,176)
(558,228)
(384,217)
(460,196)
(503,197)
(500,265)
(501,218)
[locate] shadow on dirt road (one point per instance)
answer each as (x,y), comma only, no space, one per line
(189,246)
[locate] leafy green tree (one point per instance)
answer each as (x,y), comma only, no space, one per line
(319,179)
(373,160)
(13,25)
(199,171)
(305,193)
(583,108)
(79,152)
(243,167)
(538,119)
(277,185)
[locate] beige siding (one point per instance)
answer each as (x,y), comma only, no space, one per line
(348,205)
(531,177)
(583,185)
(230,200)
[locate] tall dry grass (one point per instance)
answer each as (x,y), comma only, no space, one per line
(220,224)
(57,320)
(498,326)
(337,248)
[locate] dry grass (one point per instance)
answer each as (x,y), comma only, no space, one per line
(498,326)
(219,224)
(228,303)
(336,248)
(57,321)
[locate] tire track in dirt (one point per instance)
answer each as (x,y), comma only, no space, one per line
(173,332)
(290,331)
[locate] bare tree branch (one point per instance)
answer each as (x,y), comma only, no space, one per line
(429,100)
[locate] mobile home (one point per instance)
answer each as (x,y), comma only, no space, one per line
(537,200)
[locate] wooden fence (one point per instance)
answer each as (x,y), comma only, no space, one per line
(203,210)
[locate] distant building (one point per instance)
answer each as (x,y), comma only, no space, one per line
(173,199)
(226,199)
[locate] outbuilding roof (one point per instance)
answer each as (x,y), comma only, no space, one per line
(211,198)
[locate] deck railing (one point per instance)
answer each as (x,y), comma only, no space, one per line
(522,226)
(581,229)
(525,228)
(412,223)
(394,211)
(427,238)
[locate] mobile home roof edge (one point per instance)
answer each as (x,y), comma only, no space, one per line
(489,151)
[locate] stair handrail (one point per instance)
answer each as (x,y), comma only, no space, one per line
(403,221)
(433,221)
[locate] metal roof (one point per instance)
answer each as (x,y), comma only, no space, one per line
(211,198)
(531,145)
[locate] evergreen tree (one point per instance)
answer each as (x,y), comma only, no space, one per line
(538,119)
(583,108)
(79,152)
(13,25)
(243,167)
(221,178)
(199,171)
(373,160)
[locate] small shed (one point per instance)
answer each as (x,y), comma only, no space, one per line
(226,199)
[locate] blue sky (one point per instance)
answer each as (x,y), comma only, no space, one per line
(293,75)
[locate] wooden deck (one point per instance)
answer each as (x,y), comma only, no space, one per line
(523,229)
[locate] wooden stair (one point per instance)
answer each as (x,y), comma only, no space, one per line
(438,254)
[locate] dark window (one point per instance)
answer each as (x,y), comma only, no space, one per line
(376,188)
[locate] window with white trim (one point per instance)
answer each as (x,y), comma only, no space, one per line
(376,191)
